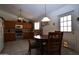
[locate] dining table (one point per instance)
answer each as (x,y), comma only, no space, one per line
(41,40)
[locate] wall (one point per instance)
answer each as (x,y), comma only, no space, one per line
(72,37)
(7,16)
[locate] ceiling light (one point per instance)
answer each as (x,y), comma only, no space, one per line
(20,16)
(45,19)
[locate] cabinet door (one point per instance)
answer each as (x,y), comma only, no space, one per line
(6,25)
(24,25)
(29,26)
(9,24)
(9,36)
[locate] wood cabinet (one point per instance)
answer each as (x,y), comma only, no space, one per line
(24,26)
(9,24)
(27,26)
(10,30)
(9,36)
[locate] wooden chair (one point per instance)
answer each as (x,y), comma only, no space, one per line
(30,38)
(32,44)
(54,43)
(57,31)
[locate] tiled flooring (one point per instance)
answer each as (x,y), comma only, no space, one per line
(20,47)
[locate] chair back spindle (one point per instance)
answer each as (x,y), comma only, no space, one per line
(54,42)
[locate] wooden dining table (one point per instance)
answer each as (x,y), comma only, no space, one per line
(41,41)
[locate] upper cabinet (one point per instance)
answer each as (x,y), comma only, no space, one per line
(9,24)
(29,26)
(12,24)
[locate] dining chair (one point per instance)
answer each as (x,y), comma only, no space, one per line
(33,44)
(57,31)
(29,36)
(54,43)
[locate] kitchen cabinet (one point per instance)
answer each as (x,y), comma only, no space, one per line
(10,30)
(9,36)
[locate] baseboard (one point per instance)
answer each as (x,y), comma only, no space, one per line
(1,50)
(72,49)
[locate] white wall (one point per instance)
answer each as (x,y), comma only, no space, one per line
(73,37)
(7,16)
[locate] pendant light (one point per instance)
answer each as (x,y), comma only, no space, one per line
(45,19)
(20,18)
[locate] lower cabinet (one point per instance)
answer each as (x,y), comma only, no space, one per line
(9,36)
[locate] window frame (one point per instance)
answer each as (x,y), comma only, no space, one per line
(66,14)
(39,25)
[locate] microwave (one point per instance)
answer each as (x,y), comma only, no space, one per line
(18,26)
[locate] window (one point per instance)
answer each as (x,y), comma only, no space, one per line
(66,23)
(37,25)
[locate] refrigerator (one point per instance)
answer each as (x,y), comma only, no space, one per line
(1,34)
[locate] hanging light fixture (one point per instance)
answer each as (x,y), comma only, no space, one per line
(45,19)
(20,18)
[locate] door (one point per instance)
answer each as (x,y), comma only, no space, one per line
(1,35)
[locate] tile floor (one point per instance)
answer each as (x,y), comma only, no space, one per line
(20,47)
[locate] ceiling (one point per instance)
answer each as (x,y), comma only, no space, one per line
(31,11)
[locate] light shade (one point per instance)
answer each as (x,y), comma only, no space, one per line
(20,18)
(45,19)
